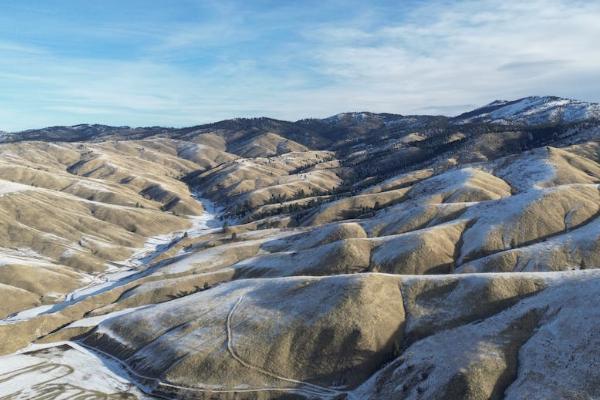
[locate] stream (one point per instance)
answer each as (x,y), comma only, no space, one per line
(121,273)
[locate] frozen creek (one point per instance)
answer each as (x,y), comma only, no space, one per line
(133,268)
(66,370)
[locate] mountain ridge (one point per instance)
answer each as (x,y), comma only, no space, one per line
(359,116)
(370,256)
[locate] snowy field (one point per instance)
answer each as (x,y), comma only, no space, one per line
(66,370)
(62,371)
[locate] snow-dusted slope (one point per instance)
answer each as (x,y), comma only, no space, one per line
(63,371)
(533,111)
(393,257)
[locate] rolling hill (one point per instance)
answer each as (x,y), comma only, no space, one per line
(360,256)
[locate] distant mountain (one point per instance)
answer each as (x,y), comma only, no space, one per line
(532,111)
(342,131)
(81,132)
(360,117)
(383,120)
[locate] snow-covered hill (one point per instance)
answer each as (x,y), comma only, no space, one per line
(533,110)
(365,256)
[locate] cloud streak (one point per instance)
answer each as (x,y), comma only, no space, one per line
(433,57)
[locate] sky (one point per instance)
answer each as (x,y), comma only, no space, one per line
(186,62)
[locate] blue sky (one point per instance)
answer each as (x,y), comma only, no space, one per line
(177,63)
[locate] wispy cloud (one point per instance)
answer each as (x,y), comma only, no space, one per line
(7,47)
(471,51)
(293,62)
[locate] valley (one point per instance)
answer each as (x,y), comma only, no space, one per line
(361,256)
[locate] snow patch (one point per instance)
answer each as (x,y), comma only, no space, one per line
(7,187)
(64,369)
